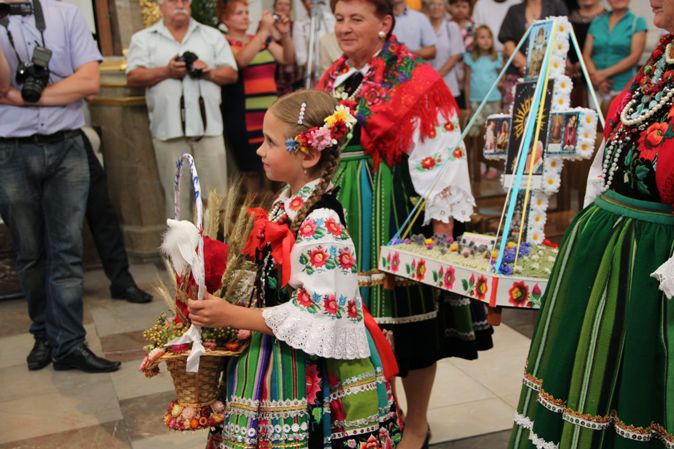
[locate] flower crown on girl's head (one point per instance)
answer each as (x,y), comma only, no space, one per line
(338,124)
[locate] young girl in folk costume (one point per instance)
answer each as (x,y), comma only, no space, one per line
(314,374)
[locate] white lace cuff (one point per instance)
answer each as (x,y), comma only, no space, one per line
(452,202)
(324,337)
(665,275)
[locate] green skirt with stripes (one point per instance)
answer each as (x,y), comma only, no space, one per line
(600,371)
(277,397)
(425,329)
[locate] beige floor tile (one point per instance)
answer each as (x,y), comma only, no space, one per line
(173,440)
(114,317)
(469,419)
(73,405)
(130,383)
(111,435)
(452,386)
(500,369)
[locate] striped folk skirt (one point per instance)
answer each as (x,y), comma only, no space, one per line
(277,397)
(600,371)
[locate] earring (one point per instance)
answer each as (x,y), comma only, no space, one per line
(381,35)
(306,172)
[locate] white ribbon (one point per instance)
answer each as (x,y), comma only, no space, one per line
(193,335)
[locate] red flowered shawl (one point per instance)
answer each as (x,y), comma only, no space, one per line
(399,91)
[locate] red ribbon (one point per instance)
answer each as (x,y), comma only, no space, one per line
(277,235)
(388,359)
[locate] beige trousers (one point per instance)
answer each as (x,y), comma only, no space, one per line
(211,162)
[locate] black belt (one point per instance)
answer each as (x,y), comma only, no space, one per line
(59,136)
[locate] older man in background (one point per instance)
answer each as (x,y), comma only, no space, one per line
(182,64)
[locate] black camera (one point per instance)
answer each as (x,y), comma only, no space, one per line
(15,9)
(34,75)
(189,58)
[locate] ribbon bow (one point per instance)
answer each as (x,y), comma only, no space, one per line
(279,237)
(388,359)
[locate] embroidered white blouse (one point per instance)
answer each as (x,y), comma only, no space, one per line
(438,168)
(324,315)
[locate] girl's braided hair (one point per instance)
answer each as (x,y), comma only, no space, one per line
(319,105)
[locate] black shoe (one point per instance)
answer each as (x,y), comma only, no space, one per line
(40,355)
(131,294)
(80,357)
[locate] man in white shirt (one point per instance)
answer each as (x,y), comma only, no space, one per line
(492,13)
(184,105)
(413,29)
(325,24)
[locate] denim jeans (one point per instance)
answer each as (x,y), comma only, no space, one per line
(43,197)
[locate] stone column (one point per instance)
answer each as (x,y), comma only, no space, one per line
(130,164)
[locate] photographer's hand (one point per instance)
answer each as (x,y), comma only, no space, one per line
(5,75)
(12,97)
(176,69)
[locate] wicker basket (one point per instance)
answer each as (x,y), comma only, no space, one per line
(196,405)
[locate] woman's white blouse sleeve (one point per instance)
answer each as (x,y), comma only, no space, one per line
(439,171)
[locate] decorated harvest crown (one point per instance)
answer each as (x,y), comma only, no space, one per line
(336,126)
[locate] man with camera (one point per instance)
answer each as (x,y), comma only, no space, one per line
(53,64)
(182,64)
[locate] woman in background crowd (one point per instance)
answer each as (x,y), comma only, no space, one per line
(580,19)
(449,48)
(614,44)
(244,103)
(288,76)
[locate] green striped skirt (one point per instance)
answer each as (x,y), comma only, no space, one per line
(600,371)
(277,397)
(376,204)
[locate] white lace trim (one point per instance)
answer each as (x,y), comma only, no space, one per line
(452,202)
(540,443)
(523,421)
(326,337)
(665,275)
(407,319)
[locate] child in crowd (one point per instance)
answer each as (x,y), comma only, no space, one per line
(482,66)
(460,11)
(315,372)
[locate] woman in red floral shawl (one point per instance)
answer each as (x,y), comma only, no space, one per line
(600,371)
(406,146)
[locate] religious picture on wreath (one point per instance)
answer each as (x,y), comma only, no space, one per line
(524,97)
(555,133)
(497,135)
(537,46)
(517,222)
(570,132)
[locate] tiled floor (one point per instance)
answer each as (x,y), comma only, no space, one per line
(472,405)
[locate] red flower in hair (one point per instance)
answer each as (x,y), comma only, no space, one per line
(339,130)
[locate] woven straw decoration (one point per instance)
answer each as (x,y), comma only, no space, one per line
(196,389)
